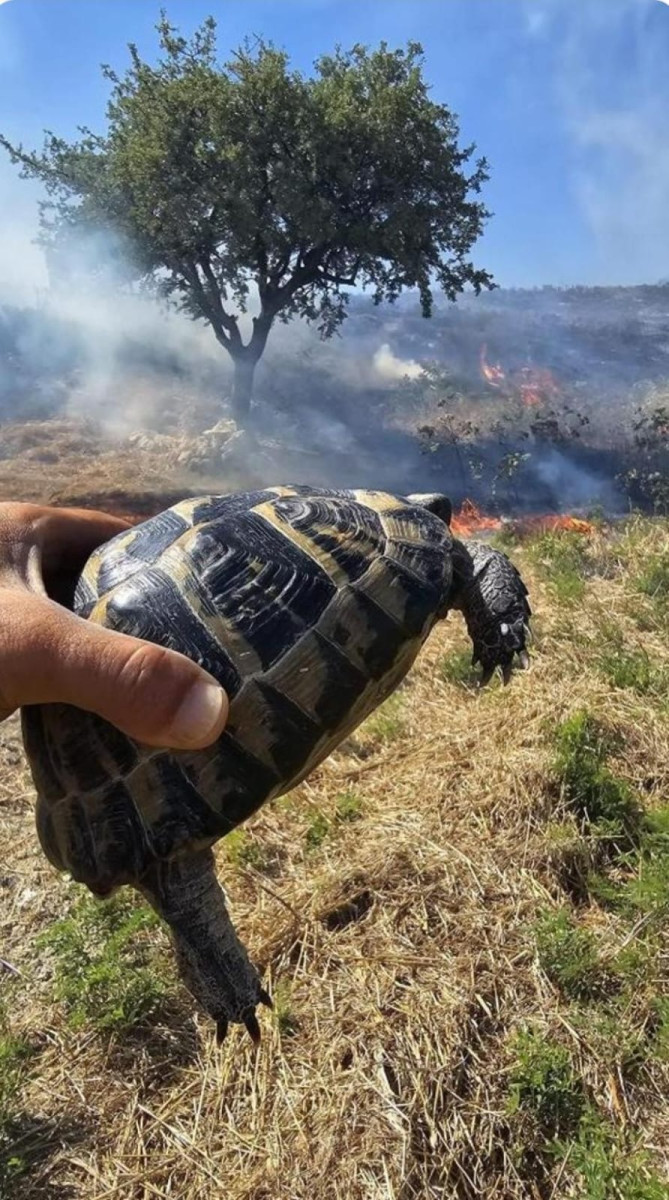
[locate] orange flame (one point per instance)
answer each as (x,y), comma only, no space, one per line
(492,373)
(534,385)
(470,519)
(537,385)
(551,521)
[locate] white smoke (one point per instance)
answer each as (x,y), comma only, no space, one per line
(391,368)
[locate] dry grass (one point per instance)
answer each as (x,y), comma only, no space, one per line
(401,944)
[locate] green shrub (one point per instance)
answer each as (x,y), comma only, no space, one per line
(106,969)
(457,667)
(283,1010)
(653,581)
(608,1167)
(347,807)
(245,851)
(633,669)
(569,955)
(562,558)
(15,1053)
(595,795)
(317,830)
(387,722)
(542,1082)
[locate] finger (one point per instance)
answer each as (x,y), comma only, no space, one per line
(155,695)
(67,537)
(37,541)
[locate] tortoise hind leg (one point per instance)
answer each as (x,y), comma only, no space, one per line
(212,961)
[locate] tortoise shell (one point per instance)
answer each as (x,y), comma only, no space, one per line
(308,606)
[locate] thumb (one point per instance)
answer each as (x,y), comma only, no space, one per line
(156,696)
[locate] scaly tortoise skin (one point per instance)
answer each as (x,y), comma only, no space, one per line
(309,606)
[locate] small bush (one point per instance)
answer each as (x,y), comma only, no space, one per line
(457,667)
(646,889)
(542,1082)
(595,795)
(348,807)
(244,851)
(569,955)
(653,581)
(632,669)
(387,722)
(283,1010)
(106,970)
(317,830)
(14,1055)
(609,1169)
(562,557)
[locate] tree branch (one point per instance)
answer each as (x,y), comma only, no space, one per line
(227,321)
(206,308)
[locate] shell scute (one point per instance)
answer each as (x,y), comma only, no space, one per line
(308,605)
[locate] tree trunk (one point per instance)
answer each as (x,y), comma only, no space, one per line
(242,391)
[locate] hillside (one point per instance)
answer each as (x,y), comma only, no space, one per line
(523,401)
(461,916)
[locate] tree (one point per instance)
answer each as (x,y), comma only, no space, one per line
(223,181)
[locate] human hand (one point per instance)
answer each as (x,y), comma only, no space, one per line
(47,654)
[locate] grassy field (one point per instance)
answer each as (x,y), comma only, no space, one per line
(462,916)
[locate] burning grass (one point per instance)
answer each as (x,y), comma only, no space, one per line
(462,916)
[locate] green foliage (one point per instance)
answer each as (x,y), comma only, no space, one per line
(544,1085)
(595,795)
(562,558)
(15,1053)
(387,722)
(609,1168)
(543,1082)
(661,1028)
(653,580)
(456,667)
(644,887)
(569,955)
(283,1010)
(245,851)
(348,807)
(213,177)
(317,830)
(106,970)
(632,669)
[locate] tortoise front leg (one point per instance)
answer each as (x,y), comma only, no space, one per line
(212,961)
(492,597)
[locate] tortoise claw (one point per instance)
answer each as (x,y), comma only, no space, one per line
(524,660)
(265,998)
(486,676)
(221,1030)
(253,1027)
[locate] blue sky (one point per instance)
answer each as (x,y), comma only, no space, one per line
(568,100)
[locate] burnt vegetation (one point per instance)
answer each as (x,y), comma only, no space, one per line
(544,400)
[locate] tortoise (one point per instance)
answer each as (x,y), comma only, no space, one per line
(309,606)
